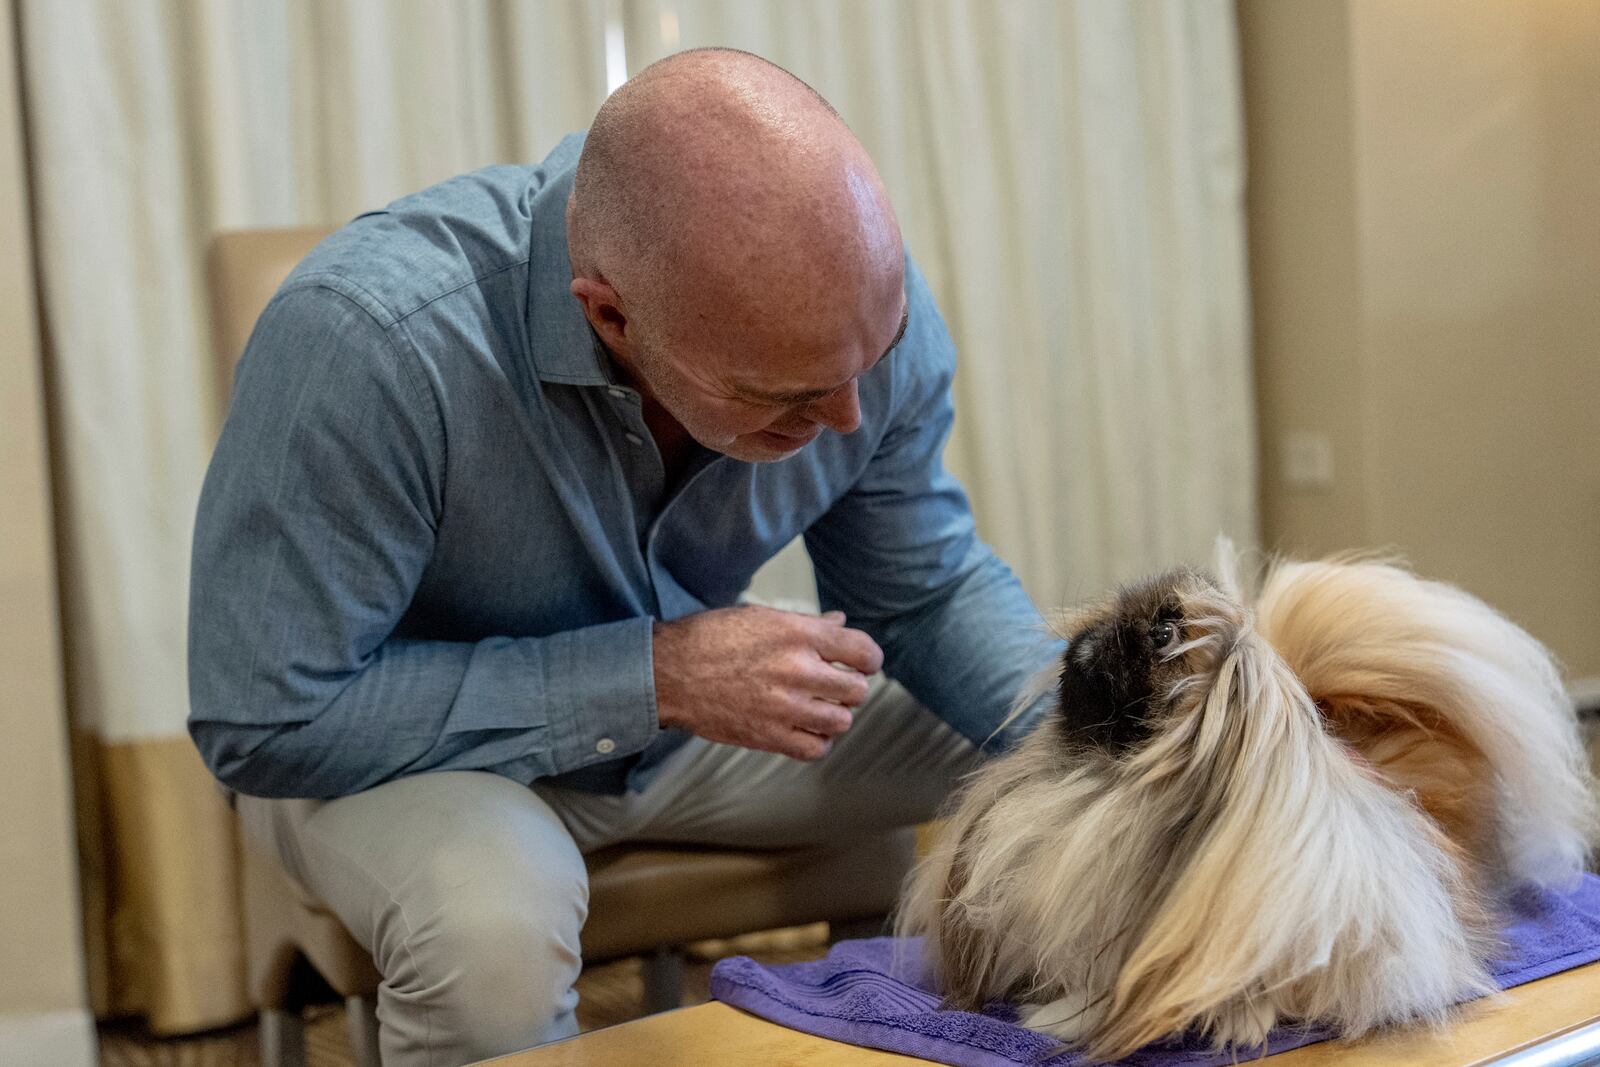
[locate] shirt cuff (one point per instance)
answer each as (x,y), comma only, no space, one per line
(599,693)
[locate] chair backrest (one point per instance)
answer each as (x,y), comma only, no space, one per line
(245,268)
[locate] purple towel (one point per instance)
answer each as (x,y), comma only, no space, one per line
(862,993)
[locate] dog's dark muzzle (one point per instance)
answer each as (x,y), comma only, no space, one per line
(1104,697)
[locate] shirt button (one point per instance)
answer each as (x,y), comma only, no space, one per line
(605,746)
(633,439)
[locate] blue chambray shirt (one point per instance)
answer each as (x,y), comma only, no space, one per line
(435,530)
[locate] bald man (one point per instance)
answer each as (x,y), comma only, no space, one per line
(500,462)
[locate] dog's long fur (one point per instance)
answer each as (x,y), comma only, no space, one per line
(1310,817)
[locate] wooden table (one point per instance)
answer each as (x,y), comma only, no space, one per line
(713,1035)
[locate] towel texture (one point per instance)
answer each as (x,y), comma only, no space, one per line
(872,993)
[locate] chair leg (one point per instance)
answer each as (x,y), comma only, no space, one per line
(361,1016)
(283,1038)
(663,980)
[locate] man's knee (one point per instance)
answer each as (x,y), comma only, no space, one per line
(490,970)
(479,941)
(470,894)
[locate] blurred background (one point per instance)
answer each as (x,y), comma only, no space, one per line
(1317,275)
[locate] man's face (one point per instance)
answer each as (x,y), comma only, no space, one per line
(764,399)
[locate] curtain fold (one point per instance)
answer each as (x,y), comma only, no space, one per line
(1069,175)
(154,125)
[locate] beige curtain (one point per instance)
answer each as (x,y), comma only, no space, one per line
(44,1011)
(153,125)
(1068,174)
(1070,177)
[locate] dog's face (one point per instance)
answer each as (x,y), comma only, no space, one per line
(1124,663)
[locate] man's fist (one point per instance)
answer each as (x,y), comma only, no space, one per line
(762,678)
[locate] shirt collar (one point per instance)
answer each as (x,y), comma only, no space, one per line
(561,345)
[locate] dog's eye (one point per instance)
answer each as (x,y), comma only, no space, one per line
(1163,635)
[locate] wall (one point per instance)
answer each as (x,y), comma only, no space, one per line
(1425,251)
(43,1008)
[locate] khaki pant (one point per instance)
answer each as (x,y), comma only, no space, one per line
(470,890)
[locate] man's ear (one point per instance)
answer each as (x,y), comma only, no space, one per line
(603,308)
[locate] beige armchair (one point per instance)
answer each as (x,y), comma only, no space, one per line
(643,900)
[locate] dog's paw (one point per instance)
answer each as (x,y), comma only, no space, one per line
(1243,1023)
(1068,1019)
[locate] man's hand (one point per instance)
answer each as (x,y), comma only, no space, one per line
(762,678)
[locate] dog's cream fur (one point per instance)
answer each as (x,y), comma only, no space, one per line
(1340,791)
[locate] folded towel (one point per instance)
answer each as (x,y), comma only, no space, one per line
(872,993)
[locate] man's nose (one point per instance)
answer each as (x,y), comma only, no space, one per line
(840,410)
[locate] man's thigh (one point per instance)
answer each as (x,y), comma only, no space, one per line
(893,767)
(415,865)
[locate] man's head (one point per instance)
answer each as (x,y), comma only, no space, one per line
(734,249)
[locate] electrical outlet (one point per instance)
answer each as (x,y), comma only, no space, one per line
(1307,461)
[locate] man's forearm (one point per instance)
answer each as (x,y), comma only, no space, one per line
(523,707)
(968,653)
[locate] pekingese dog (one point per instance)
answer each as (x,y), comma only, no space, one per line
(1300,812)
